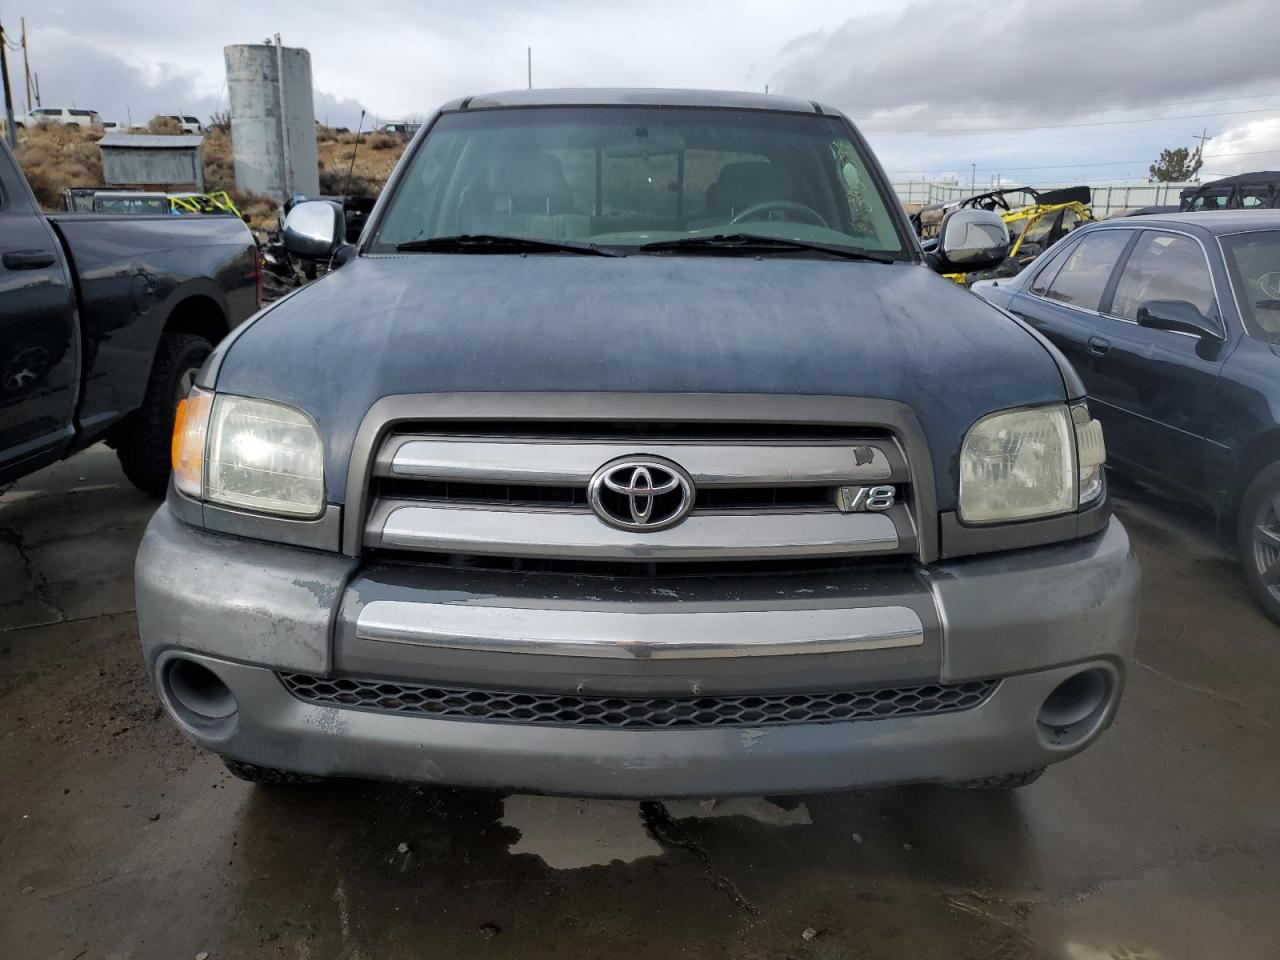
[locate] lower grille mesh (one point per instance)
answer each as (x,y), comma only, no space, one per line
(655,712)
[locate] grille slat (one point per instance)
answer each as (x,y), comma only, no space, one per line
(573,710)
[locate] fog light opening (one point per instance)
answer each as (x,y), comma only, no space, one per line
(198,691)
(1072,710)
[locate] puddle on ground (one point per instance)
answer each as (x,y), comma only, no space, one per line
(568,834)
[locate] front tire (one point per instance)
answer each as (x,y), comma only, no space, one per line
(143,440)
(1258,539)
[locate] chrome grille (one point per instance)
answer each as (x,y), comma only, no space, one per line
(767,493)
(572,710)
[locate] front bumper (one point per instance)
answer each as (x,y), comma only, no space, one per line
(246,610)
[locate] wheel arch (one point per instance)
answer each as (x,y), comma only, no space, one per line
(1254,457)
(200,314)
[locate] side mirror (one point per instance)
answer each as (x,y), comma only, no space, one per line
(970,240)
(1179,316)
(314,229)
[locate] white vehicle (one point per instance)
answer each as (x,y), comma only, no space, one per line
(188,123)
(67,116)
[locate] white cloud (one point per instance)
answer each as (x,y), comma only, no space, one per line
(1250,146)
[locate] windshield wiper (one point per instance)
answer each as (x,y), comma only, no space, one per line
(752,243)
(493,243)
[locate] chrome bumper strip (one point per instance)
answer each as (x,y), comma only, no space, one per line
(531,532)
(652,634)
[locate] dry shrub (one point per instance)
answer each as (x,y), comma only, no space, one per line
(384,141)
(219,161)
(372,168)
(55,157)
(260,212)
(164,125)
(333,181)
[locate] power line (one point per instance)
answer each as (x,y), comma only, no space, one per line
(1100,163)
(1018,116)
(1162,103)
(1064,126)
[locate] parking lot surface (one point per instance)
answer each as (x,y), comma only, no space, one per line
(120,839)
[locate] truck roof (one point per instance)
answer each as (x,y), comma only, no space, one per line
(644,97)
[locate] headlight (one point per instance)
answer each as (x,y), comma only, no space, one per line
(1017,465)
(253,454)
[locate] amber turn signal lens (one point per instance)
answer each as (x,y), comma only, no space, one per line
(190,427)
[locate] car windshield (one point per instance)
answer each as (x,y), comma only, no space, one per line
(1254,262)
(627,176)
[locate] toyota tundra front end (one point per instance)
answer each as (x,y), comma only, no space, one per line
(636,451)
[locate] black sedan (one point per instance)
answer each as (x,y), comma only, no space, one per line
(1173,322)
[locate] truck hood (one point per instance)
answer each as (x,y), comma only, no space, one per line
(426,323)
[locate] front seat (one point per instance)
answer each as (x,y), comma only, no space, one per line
(524,185)
(740,186)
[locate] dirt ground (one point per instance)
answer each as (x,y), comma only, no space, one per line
(120,839)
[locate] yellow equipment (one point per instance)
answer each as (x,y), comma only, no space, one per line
(219,201)
(1032,228)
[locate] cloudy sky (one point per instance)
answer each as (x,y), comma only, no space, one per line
(1038,92)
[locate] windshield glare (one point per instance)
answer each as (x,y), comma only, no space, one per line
(1254,262)
(626,176)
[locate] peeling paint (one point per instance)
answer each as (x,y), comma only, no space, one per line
(750,737)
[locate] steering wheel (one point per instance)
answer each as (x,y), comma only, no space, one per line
(810,214)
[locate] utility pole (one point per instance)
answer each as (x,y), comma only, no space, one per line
(26,64)
(529,61)
(10,131)
(1203,138)
(973,176)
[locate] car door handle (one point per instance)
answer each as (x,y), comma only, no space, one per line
(1099,346)
(29,259)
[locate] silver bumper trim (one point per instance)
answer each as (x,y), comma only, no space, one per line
(533,532)
(709,463)
(656,634)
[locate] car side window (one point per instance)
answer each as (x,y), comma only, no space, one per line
(1083,277)
(1040,284)
(1163,266)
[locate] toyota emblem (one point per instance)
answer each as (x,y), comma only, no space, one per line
(641,493)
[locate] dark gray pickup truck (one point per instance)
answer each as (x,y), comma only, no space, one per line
(104,321)
(636,450)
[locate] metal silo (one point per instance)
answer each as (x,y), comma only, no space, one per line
(267,82)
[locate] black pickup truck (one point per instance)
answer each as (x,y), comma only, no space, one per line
(104,321)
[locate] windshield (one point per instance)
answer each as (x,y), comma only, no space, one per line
(1254,262)
(627,176)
